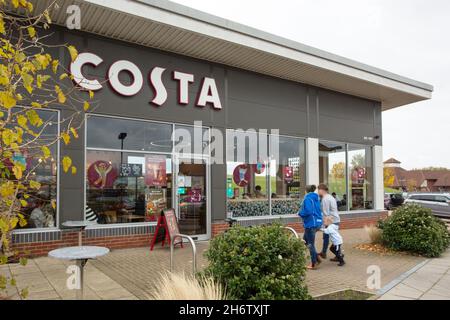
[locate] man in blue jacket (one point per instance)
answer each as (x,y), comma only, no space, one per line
(311,215)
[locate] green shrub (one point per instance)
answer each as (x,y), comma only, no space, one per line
(264,262)
(413,228)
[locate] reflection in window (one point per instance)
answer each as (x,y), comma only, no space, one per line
(257,186)
(287,175)
(247,189)
(125,187)
(40,211)
(332,171)
(360,177)
(123,134)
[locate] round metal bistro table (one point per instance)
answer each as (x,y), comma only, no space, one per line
(81,255)
(80,225)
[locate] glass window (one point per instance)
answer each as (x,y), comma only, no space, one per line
(41,208)
(247,179)
(185,140)
(332,171)
(287,174)
(360,177)
(125,187)
(124,134)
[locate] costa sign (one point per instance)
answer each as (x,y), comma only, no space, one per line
(207,95)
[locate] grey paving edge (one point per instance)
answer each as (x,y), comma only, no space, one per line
(402,277)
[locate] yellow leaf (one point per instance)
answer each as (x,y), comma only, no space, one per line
(15,3)
(36,104)
(7,100)
(20,57)
(63,76)
(61,97)
(66,162)
(2,26)
(73,52)
(35,185)
(47,17)
(86,106)
(17,69)
(4,75)
(43,60)
(46,151)
(7,138)
(41,79)
(31,32)
(74,132)
(34,118)
(66,137)
(74,170)
(53,202)
(30,7)
(55,64)
(17,170)
(22,121)
(27,81)
(91,94)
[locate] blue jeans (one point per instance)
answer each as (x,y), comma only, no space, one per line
(326,242)
(310,238)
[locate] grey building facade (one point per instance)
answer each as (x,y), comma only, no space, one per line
(332,133)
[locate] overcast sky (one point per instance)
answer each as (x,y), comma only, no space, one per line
(408,37)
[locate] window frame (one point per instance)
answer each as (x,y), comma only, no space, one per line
(268,166)
(171,154)
(58,177)
(347,179)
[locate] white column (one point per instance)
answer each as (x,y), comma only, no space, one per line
(312,161)
(378,177)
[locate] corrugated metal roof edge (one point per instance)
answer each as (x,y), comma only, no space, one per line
(278,40)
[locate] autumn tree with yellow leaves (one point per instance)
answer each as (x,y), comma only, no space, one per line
(31,80)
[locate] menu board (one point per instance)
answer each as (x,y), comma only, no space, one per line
(166,227)
(155,199)
(172,223)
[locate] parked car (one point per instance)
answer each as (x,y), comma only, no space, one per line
(439,203)
(393,200)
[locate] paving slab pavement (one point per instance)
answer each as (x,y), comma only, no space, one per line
(431,281)
(132,273)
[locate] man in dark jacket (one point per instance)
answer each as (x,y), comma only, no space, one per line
(311,214)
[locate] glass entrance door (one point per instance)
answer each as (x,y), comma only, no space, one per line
(191,197)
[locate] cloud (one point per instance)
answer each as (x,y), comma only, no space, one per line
(403,36)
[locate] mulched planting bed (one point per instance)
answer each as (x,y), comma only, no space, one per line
(346,295)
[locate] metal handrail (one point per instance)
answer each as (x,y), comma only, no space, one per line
(194,251)
(292,230)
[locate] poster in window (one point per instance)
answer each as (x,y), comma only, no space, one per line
(288,174)
(241,175)
(102,174)
(130,170)
(155,171)
(155,199)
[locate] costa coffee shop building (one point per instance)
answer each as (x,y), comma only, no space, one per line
(157,67)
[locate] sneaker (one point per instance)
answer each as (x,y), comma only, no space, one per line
(319,259)
(322,255)
(311,267)
(341,264)
(334,259)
